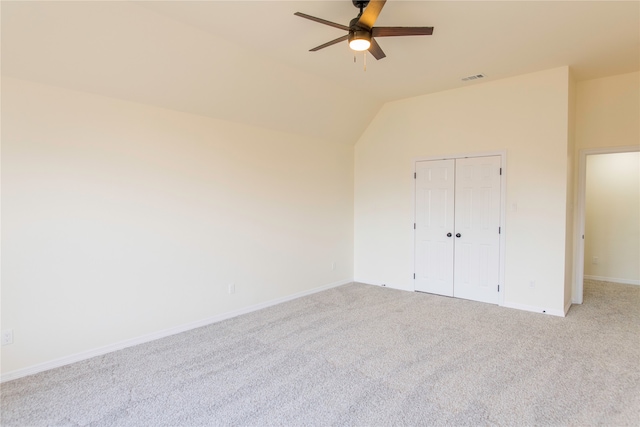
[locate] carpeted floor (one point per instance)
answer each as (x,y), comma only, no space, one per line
(361,355)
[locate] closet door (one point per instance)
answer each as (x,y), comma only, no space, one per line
(434,227)
(477,221)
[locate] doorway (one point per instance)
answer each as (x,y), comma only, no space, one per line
(607,240)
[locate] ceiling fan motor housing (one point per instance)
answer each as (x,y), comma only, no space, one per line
(359,33)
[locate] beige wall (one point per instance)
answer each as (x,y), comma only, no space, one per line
(612,232)
(608,112)
(607,117)
(528,117)
(120,219)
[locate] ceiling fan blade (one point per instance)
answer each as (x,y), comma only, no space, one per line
(376,50)
(401,31)
(370,14)
(322,21)
(332,42)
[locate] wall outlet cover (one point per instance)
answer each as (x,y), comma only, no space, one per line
(7,337)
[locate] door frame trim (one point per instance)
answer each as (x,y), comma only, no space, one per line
(577,294)
(503,209)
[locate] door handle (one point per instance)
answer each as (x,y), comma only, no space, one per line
(458,235)
(448,234)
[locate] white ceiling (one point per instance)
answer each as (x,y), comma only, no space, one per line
(248,61)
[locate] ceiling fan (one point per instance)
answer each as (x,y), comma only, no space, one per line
(362,32)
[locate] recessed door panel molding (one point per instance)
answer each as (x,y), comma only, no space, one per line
(434,220)
(457,241)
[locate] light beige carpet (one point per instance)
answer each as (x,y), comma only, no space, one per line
(360,355)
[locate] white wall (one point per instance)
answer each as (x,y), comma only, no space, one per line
(612,232)
(526,115)
(120,219)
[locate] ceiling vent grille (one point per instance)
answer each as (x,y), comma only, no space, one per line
(474,77)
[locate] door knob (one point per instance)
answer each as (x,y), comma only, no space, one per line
(448,234)
(458,235)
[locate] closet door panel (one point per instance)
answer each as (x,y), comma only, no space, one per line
(477,221)
(434,220)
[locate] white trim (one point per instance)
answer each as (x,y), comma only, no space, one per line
(559,313)
(577,294)
(613,279)
(460,156)
(566,308)
(503,209)
(413,231)
(84,355)
(503,221)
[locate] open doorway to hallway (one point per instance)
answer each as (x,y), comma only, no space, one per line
(612,218)
(609,208)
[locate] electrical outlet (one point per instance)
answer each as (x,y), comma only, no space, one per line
(532,283)
(594,260)
(333,266)
(231,288)
(7,337)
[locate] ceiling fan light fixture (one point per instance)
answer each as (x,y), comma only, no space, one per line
(359,40)
(359,44)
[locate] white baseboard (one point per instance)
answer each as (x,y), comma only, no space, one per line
(559,313)
(613,279)
(84,355)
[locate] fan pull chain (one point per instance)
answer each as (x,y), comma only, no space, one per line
(364,63)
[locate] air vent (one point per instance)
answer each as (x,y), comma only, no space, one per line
(474,77)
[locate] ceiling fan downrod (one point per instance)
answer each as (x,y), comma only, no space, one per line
(360,4)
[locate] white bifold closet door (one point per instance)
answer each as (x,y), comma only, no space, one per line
(457,227)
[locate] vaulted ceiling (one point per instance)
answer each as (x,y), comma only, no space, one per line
(248,61)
